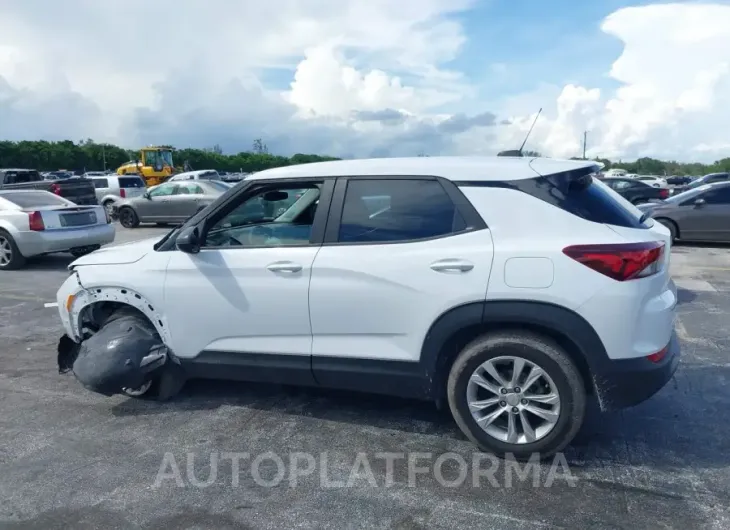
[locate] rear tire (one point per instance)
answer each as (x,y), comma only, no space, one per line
(671,226)
(128,217)
(509,424)
(10,256)
(109,207)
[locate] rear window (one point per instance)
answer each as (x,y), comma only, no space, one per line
(209,175)
(31,199)
(579,193)
(131,182)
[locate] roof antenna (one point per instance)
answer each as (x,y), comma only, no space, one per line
(518,152)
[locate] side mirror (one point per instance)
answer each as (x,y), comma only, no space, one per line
(188,240)
(147,195)
(700,202)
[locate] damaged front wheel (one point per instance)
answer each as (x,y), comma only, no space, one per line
(124,356)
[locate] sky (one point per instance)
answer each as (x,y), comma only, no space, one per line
(356,78)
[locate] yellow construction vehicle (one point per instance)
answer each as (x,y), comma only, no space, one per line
(153,164)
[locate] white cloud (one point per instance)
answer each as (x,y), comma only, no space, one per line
(674,94)
(355,79)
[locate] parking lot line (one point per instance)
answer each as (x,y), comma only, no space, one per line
(692,284)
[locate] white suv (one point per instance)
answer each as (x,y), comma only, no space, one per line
(511,289)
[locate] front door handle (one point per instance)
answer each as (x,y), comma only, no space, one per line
(284,266)
(452,265)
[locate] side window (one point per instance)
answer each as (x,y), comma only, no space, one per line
(101,183)
(273,216)
(189,189)
(389,210)
(623,184)
(163,190)
(718,196)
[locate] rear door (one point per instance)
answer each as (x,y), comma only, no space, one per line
(398,253)
(186,200)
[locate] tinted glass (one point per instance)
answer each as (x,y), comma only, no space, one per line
(163,190)
(717,196)
(31,199)
(19,177)
(397,210)
(131,182)
(209,175)
(100,183)
(582,195)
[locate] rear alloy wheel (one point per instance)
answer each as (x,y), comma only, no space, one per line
(516,393)
(10,256)
(109,207)
(128,217)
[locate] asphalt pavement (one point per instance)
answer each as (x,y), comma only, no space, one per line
(236,455)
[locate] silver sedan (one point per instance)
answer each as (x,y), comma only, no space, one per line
(35,222)
(170,202)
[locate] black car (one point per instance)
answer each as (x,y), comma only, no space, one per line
(679,181)
(707,179)
(635,191)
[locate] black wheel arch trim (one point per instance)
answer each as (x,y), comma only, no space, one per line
(502,314)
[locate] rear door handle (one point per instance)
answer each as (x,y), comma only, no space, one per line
(452,265)
(284,266)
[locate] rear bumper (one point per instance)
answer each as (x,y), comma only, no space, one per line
(628,382)
(61,240)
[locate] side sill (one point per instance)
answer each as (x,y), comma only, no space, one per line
(254,367)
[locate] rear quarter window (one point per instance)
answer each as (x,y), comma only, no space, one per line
(131,182)
(579,193)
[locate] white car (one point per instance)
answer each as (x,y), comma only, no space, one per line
(202,174)
(509,289)
(655,182)
(35,222)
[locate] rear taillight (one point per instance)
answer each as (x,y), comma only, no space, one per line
(122,193)
(35,221)
(622,261)
(658,356)
(55,188)
(663,193)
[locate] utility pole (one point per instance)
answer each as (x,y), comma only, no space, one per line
(585,138)
(103,154)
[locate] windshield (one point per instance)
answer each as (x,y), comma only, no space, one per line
(166,157)
(681,197)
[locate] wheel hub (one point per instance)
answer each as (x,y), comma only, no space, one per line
(513,400)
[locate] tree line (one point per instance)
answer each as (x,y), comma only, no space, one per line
(88,155)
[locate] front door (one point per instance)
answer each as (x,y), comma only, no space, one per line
(155,208)
(246,293)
